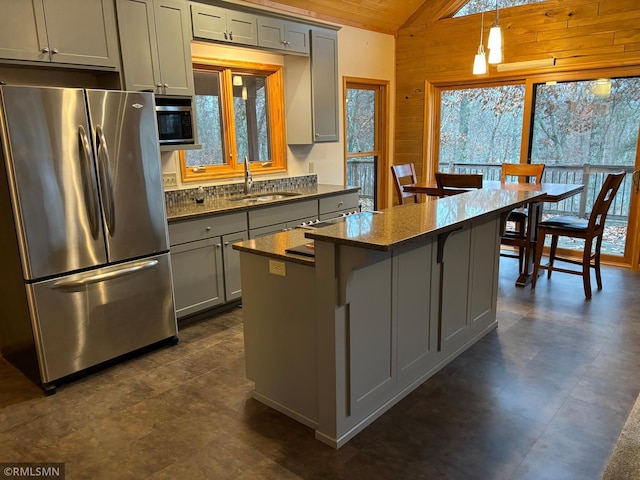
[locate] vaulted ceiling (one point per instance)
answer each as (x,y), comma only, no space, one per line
(386,16)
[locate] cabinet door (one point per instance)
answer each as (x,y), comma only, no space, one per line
(324,85)
(209,22)
(271,33)
(23,34)
(231,257)
(138,43)
(173,33)
(197,276)
(296,37)
(242,28)
(82,32)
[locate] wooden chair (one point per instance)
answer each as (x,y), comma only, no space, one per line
(403,174)
(517,237)
(588,229)
(455,183)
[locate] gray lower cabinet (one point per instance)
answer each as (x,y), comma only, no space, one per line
(219,24)
(72,32)
(155,38)
(331,207)
(265,221)
(231,261)
(197,276)
(205,268)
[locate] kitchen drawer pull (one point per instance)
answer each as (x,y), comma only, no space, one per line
(208,229)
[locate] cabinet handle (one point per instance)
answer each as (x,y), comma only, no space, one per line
(166,85)
(225,36)
(340,204)
(55,51)
(208,229)
(218,245)
(226,244)
(45,50)
(230,35)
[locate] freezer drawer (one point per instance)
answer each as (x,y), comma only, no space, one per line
(85,319)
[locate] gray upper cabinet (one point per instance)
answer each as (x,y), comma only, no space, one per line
(324,85)
(156,49)
(283,35)
(73,32)
(219,24)
(314,78)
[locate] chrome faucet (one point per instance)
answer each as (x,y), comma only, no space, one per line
(248,179)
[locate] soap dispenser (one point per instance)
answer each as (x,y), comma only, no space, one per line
(200,195)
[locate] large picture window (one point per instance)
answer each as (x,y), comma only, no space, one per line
(480,127)
(239,109)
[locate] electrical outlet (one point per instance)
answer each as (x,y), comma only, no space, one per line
(169,180)
(311,167)
(277,268)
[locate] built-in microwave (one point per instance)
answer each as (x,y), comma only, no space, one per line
(175,120)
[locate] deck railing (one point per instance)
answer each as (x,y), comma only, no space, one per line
(362,173)
(591,176)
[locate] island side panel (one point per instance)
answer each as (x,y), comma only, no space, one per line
(280,335)
(485,263)
(416,309)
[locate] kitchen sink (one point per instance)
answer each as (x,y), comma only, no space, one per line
(263,197)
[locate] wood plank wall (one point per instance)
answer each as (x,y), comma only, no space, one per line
(582,35)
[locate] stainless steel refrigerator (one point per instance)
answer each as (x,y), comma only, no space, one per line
(86,275)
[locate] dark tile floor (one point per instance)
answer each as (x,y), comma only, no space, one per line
(542,397)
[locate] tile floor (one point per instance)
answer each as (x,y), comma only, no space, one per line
(543,397)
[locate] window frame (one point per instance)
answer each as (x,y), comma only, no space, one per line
(233,167)
(431,140)
(381,89)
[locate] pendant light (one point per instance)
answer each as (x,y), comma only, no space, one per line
(495,41)
(480,60)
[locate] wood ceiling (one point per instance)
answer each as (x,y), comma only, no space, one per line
(386,16)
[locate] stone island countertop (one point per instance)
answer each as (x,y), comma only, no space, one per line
(394,227)
(228,204)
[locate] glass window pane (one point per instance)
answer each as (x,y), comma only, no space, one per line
(362,172)
(361,115)
(581,132)
(477,6)
(250,113)
(209,118)
(480,128)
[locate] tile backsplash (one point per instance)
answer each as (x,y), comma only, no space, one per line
(175,197)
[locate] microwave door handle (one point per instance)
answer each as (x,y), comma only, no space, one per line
(106,180)
(89,186)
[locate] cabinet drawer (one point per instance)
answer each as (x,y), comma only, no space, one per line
(282,213)
(206,227)
(344,202)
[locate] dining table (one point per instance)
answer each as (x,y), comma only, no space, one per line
(553,193)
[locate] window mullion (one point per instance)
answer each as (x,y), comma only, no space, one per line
(229,119)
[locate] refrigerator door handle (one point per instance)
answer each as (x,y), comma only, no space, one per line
(85,279)
(90,188)
(106,179)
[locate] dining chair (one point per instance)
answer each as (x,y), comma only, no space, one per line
(590,230)
(455,183)
(403,174)
(517,236)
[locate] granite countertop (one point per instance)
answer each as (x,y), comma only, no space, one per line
(274,246)
(191,209)
(393,227)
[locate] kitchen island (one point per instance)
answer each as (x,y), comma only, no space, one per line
(388,299)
